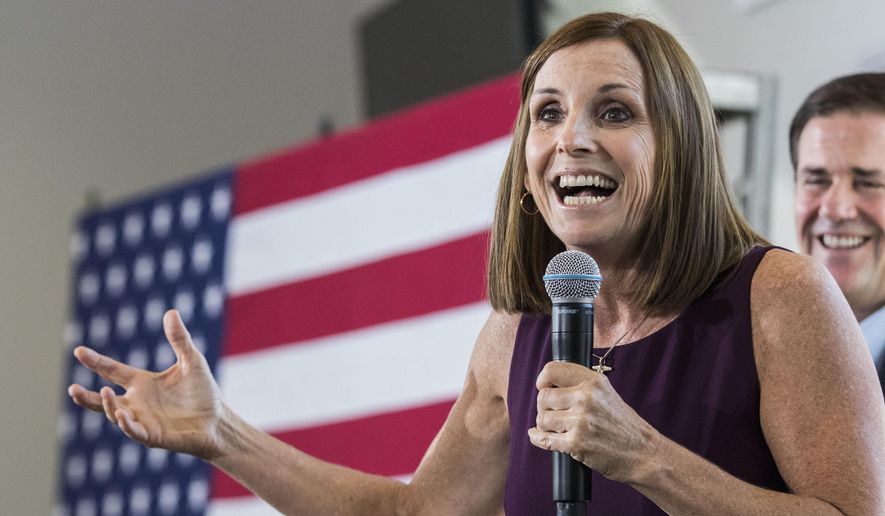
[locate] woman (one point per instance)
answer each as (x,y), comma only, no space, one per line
(747,385)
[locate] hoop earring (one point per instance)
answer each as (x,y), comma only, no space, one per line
(522,204)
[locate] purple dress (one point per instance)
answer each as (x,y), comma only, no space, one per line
(693,380)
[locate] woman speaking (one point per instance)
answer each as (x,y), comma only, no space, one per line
(729,378)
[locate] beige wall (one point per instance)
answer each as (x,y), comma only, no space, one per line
(118,97)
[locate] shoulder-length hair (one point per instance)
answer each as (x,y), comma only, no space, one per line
(692,230)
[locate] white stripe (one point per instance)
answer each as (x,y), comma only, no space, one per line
(397,212)
(383,368)
(241,506)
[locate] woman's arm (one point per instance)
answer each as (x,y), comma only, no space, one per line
(181,409)
(821,408)
(822,412)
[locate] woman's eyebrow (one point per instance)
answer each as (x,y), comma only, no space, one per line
(545,91)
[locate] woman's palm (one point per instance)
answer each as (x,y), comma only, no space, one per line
(178,409)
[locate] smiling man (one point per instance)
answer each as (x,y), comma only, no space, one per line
(837,144)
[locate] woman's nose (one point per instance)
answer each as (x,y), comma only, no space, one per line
(577,136)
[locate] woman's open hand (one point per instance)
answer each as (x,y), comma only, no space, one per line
(178,409)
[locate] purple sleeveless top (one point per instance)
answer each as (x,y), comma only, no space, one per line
(694,380)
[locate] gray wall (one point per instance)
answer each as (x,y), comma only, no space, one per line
(118,97)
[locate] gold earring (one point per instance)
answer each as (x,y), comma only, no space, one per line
(522,204)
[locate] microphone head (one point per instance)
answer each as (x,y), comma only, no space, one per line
(572,276)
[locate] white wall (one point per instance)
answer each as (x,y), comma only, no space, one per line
(125,95)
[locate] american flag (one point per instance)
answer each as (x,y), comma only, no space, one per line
(336,289)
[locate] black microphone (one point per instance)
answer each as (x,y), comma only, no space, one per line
(572,281)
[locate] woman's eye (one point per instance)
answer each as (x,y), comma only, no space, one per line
(549,114)
(616,114)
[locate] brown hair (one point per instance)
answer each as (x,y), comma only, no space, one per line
(859,93)
(692,228)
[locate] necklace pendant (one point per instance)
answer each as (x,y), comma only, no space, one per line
(601,368)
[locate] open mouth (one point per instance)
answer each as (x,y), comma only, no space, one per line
(842,242)
(591,189)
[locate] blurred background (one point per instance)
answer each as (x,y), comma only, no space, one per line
(101,101)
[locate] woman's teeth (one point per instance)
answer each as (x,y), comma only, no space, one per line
(587,199)
(585,190)
(598,181)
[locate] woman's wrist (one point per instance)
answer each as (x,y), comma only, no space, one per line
(230,437)
(652,461)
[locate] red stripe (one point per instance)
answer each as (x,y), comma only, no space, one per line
(389,444)
(408,285)
(432,130)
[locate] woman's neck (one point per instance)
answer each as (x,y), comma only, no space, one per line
(618,318)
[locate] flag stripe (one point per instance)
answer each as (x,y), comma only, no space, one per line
(397,212)
(409,285)
(429,131)
(386,444)
(242,506)
(354,374)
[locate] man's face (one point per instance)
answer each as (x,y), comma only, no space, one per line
(840,202)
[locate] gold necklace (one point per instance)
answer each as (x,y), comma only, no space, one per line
(601,368)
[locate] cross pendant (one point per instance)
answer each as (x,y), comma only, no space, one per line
(601,368)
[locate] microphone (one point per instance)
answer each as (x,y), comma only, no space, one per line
(572,281)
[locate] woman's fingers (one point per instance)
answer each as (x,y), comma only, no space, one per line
(554,420)
(178,336)
(106,367)
(131,427)
(85,398)
(560,398)
(563,386)
(565,374)
(103,401)
(109,403)
(548,440)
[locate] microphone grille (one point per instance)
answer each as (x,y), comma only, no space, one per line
(572,275)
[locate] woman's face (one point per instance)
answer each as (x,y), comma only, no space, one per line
(590,147)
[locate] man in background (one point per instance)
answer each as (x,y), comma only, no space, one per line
(837,145)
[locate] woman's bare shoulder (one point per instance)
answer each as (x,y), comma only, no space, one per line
(791,289)
(780,266)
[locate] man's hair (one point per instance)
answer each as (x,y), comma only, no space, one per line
(856,94)
(692,230)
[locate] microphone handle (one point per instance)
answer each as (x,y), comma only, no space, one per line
(571,485)
(572,341)
(571,508)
